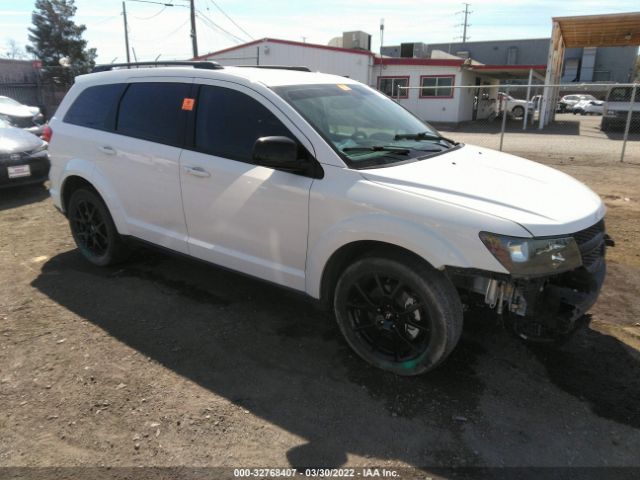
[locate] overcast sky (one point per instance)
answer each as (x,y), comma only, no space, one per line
(155,30)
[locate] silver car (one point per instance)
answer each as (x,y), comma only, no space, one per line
(21,116)
(23,157)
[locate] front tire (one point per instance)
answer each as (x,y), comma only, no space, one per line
(399,315)
(93,229)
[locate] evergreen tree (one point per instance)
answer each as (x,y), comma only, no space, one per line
(55,36)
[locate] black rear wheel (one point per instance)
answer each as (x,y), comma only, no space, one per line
(93,229)
(398,316)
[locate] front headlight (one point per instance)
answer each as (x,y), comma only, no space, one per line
(531,257)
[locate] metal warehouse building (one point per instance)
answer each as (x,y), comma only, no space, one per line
(583,64)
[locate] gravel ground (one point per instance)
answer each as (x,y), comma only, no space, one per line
(168,362)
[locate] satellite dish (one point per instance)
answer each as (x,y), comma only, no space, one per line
(65,62)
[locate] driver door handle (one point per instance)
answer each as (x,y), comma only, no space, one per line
(196,171)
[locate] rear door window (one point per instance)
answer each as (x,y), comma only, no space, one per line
(96,107)
(153,111)
(229,122)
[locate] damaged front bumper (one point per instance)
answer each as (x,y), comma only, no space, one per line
(543,308)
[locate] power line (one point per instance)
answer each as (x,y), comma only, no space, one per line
(156,3)
(231,20)
(167,35)
(152,16)
(211,24)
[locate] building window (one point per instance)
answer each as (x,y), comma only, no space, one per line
(436,86)
(389,86)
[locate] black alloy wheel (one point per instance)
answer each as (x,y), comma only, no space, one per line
(398,314)
(93,229)
(389,317)
(90,228)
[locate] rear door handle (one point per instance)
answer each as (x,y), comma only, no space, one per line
(196,171)
(108,150)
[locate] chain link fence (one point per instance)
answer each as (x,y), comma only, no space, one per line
(590,123)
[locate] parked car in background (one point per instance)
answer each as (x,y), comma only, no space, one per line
(323,185)
(514,106)
(567,102)
(589,107)
(616,109)
(23,157)
(21,116)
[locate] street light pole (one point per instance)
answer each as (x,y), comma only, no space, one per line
(194,36)
(126,31)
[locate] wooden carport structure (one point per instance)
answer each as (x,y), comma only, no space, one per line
(611,30)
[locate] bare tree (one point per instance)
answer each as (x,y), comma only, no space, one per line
(14,50)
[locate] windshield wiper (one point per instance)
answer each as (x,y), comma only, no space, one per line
(422,136)
(379,148)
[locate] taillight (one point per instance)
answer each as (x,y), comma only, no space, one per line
(47,133)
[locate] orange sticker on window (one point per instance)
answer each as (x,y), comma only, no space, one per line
(188,103)
(343,87)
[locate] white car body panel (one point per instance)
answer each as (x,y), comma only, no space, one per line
(347,208)
(19,110)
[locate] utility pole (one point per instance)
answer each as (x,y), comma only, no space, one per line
(126,30)
(194,37)
(466,17)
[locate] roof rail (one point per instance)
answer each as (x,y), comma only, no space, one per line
(277,67)
(208,65)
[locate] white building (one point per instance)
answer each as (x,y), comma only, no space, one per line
(350,63)
(435,100)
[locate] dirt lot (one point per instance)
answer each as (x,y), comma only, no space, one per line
(165,362)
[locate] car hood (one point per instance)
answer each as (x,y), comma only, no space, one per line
(18,110)
(14,140)
(543,200)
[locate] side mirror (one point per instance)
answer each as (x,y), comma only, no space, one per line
(276,152)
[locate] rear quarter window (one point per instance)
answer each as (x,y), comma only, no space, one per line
(153,111)
(96,107)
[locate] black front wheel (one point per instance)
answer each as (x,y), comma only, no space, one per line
(93,229)
(398,315)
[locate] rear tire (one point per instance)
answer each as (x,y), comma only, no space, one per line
(399,316)
(93,229)
(605,126)
(517,112)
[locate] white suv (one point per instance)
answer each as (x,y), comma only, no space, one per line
(321,184)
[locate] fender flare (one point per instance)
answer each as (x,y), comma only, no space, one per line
(419,239)
(87,171)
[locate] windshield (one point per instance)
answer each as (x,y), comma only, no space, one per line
(8,101)
(366,128)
